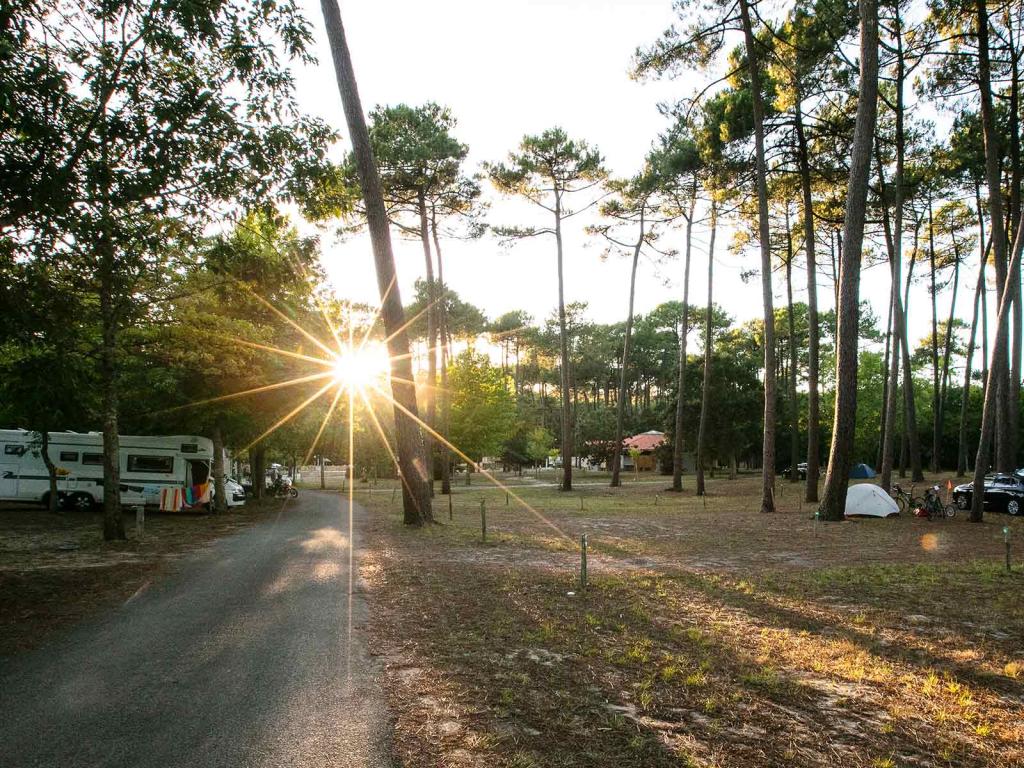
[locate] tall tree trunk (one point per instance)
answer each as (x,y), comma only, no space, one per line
(113,522)
(794,408)
(993,176)
(813,354)
(961,461)
(913,436)
(563,340)
(442,291)
(764,234)
(984,338)
(936,408)
(430,409)
(415,488)
(705,390)
(947,344)
(258,467)
(893,373)
(837,479)
(684,332)
(885,384)
(53,496)
(1000,364)
(624,368)
(1013,394)
(220,499)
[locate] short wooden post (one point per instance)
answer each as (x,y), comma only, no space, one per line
(483,521)
(140,522)
(1006,540)
(449,506)
(583,562)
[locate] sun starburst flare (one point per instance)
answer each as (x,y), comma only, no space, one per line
(356,367)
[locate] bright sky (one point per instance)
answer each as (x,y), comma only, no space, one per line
(511,67)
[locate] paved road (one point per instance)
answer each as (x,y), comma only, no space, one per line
(242,657)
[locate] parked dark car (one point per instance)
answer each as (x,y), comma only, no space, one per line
(1004,493)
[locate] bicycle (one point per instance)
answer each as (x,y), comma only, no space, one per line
(932,508)
(904,500)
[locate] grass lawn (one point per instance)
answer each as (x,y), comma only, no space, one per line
(709,635)
(56,569)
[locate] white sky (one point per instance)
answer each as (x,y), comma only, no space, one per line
(511,67)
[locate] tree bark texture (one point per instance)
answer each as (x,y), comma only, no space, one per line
(837,479)
(415,488)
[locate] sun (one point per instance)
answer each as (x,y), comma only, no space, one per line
(359,369)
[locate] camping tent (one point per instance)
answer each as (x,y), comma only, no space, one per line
(861,471)
(867,500)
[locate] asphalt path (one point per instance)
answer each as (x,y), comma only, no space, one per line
(251,652)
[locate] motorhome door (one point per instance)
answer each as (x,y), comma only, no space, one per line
(10,461)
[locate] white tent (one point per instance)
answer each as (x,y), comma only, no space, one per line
(868,500)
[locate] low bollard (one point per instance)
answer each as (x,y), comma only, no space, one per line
(483,521)
(1006,541)
(449,506)
(140,521)
(583,562)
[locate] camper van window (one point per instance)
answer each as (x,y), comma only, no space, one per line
(15,450)
(162,464)
(69,455)
(92,458)
(190,447)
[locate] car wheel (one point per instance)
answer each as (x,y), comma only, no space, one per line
(81,502)
(1013,507)
(961,501)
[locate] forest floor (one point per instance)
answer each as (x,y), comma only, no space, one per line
(709,634)
(57,569)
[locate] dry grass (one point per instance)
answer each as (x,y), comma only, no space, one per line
(708,636)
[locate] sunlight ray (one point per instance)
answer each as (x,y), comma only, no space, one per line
(277,350)
(291,414)
(409,322)
(424,385)
(323,424)
(376,314)
(387,445)
(437,435)
(253,391)
(293,324)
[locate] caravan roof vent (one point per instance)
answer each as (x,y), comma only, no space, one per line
(190,448)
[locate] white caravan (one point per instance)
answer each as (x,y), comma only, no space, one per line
(148,464)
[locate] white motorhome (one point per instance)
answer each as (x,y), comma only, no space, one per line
(148,464)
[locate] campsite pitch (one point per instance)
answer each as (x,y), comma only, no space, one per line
(709,634)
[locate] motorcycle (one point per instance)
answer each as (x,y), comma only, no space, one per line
(282,489)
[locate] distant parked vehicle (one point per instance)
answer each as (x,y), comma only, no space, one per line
(282,488)
(801,469)
(234,491)
(1004,493)
(147,464)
